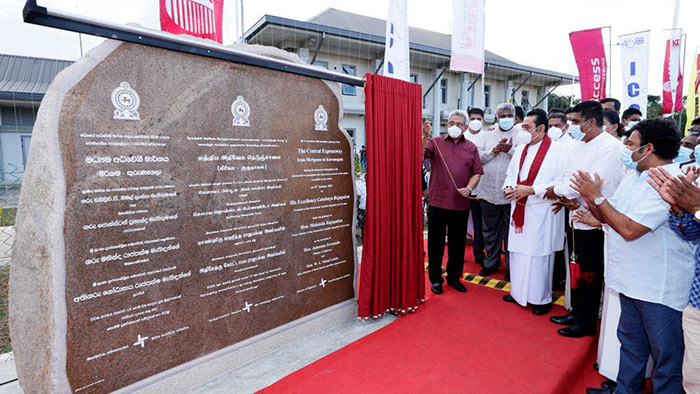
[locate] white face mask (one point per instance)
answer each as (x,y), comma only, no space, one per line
(506,123)
(476,125)
(555,133)
(523,137)
(454,132)
(631,124)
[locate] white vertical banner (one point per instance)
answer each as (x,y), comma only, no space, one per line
(634,54)
(396,58)
(468,36)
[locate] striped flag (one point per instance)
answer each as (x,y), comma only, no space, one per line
(198,18)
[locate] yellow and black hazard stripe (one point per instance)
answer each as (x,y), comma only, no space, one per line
(557,299)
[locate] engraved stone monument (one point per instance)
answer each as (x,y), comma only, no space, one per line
(173,207)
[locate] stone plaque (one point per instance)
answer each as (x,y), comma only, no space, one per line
(180,232)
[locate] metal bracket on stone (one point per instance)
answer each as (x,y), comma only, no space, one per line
(44,16)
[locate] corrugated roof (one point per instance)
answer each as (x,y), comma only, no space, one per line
(367,25)
(28,75)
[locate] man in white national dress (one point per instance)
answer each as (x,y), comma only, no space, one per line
(535,232)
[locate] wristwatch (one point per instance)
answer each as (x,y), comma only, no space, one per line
(599,201)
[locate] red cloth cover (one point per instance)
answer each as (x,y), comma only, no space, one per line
(392,271)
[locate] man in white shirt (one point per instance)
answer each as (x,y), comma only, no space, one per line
(559,132)
(559,128)
(496,148)
(647,264)
(535,231)
(474,134)
(598,153)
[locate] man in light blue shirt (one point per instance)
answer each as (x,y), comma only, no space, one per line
(647,263)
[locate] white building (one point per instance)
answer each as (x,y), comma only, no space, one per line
(23,82)
(351,43)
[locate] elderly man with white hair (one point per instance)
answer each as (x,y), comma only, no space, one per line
(496,148)
(456,170)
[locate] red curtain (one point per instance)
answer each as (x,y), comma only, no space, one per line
(392,269)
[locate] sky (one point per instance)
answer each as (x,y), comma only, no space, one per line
(534,33)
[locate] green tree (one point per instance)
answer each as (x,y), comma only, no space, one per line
(653,106)
(557,101)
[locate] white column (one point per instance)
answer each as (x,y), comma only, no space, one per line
(509,91)
(465,102)
(437,103)
(540,93)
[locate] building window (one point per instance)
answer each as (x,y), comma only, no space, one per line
(487,96)
(443,91)
(321,63)
(349,90)
(25,139)
(525,100)
(18,116)
(414,78)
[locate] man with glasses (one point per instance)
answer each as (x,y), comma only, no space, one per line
(456,170)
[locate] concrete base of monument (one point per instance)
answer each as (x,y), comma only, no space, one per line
(271,355)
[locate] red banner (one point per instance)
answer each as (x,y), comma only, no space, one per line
(589,52)
(198,18)
(667,103)
(697,74)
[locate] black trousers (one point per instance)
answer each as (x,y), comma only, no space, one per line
(496,223)
(455,223)
(475,208)
(559,273)
(585,300)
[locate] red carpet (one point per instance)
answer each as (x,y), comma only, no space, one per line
(456,343)
(470,265)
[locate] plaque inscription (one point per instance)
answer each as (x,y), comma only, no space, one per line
(185,233)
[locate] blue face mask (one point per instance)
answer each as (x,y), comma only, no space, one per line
(575,132)
(506,123)
(683,155)
(697,155)
(627,159)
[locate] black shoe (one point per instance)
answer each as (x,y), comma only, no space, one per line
(577,331)
(542,309)
(457,285)
(488,271)
(508,298)
(599,391)
(436,288)
(609,384)
(565,320)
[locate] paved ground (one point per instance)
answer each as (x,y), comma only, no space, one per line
(8,373)
(266,370)
(262,371)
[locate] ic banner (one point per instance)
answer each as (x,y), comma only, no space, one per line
(634,54)
(396,59)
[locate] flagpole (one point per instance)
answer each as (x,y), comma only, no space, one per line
(673,83)
(238,20)
(610,61)
(685,46)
